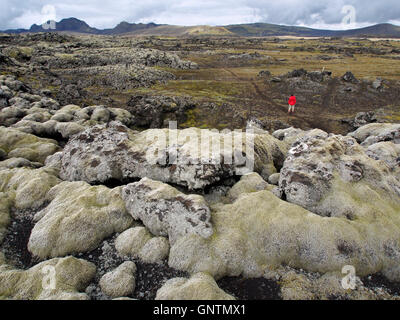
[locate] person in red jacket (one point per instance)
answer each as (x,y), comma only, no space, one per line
(292,103)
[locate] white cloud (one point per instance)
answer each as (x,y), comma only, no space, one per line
(107,13)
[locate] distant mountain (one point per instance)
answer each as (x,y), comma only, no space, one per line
(126,27)
(265,29)
(79,26)
(247,30)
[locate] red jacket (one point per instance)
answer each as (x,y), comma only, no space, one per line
(292,100)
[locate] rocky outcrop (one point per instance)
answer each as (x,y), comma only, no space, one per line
(153,111)
(200,286)
(77,219)
(377,132)
(114,152)
(289,135)
(349,77)
(63,123)
(387,152)
(330,175)
(364,118)
(56,279)
(167,212)
(16,144)
(300,285)
(259,232)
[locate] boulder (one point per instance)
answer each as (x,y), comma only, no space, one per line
(349,77)
(289,135)
(200,286)
(78,218)
(252,182)
(56,279)
(167,212)
(131,241)
(22,188)
(332,175)
(155,250)
(274,179)
(387,152)
(300,285)
(22,145)
(377,84)
(260,231)
(27,188)
(139,243)
(120,282)
(377,132)
(113,152)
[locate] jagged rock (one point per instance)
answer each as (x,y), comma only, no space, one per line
(77,219)
(329,175)
(297,73)
(151,111)
(167,212)
(377,132)
(257,125)
(318,76)
(200,286)
(112,151)
(264,74)
(377,84)
(387,152)
(71,275)
(364,118)
(22,145)
(349,77)
(120,282)
(120,77)
(289,135)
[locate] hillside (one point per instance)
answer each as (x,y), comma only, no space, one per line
(244,30)
(265,29)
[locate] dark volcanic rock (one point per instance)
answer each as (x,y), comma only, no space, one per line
(349,77)
(151,111)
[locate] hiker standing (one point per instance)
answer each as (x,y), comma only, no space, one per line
(292,103)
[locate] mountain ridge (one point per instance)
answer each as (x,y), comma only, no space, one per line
(247,30)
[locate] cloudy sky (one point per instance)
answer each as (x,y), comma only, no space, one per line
(327,14)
